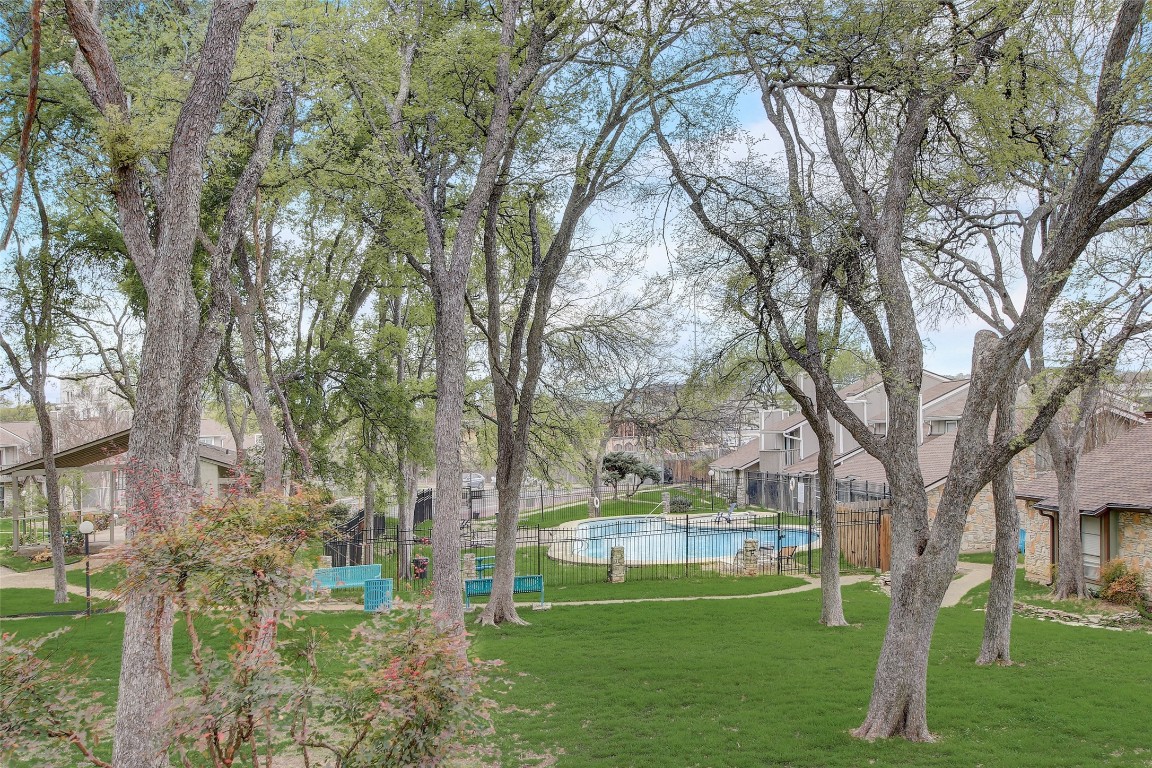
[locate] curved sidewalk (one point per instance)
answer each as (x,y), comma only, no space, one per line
(974,574)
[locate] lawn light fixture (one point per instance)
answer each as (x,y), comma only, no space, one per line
(87,528)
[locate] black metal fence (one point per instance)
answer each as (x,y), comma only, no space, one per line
(654,546)
(787,493)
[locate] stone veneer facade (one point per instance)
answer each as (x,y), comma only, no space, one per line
(980,527)
(1037,544)
(1135,545)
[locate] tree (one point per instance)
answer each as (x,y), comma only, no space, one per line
(985,238)
(619,466)
(924,552)
(790,242)
(42,286)
(159,216)
(430,138)
(877,120)
(616,77)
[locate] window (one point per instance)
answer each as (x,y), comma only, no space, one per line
(792,449)
(943,426)
(1090,542)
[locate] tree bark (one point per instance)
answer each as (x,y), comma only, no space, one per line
(1066,444)
(831,601)
(451,363)
(408,477)
(181,338)
(52,496)
(996,647)
(270,430)
(1070,552)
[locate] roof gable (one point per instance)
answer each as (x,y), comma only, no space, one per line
(1115,475)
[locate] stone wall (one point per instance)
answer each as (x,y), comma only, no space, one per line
(980,527)
(1136,544)
(1037,544)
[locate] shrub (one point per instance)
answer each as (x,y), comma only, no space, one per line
(73,542)
(1112,570)
(1122,585)
(98,519)
(680,505)
(43,718)
(410,696)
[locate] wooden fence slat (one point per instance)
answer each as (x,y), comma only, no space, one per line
(863,544)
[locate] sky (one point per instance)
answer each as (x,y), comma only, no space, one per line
(947,350)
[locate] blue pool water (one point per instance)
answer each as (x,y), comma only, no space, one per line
(665,541)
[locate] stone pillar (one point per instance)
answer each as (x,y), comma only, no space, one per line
(468,566)
(325,561)
(666,500)
(618,571)
(748,555)
(741,489)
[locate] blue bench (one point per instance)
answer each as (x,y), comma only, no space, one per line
(485,563)
(378,594)
(521,584)
(344,576)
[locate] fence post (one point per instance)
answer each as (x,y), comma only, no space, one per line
(810,518)
(750,564)
(617,571)
(686,542)
(879,533)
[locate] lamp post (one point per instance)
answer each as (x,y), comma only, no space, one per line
(711,489)
(87,528)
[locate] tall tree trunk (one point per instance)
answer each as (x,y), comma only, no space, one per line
(1070,553)
(451,362)
(51,494)
(368,532)
(831,601)
(501,608)
(157,495)
(996,647)
(258,394)
(408,478)
(1066,444)
(898,706)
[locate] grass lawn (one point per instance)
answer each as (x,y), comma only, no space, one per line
(15,562)
(758,682)
(21,600)
(986,558)
(107,578)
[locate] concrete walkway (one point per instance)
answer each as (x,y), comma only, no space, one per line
(41,578)
(811,585)
(974,574)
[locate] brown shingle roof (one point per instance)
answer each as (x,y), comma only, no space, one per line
(1118,474)
(945,399)
(935,456)
(741,458)
(97,451)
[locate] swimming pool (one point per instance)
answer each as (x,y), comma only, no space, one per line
(672,540)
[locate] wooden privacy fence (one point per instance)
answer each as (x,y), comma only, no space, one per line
(865,534)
